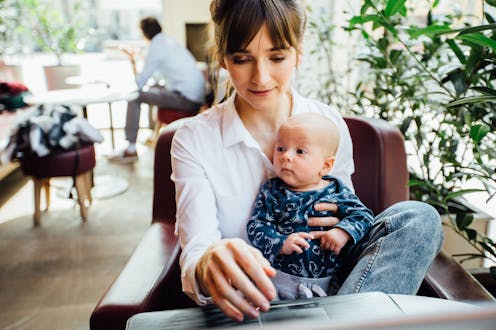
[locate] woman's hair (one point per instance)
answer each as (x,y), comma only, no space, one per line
(236,22)
(150,27)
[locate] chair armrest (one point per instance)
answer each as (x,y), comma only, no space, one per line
(447,279)
(151,274)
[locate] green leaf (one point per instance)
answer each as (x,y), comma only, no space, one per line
(463,220)
(365,19)
(478,132)
(436,3)
(453,195)
(488,248)
(430,31)
(458,52)
(393,7)
(491,2)
(478,39)
(478,28)
(485,90)
(471,233)
(492,269)
(405,124)
(366,5)
(472,99)
(394,55)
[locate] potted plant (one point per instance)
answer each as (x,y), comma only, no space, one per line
(435,82)
(10,40)
(55,33)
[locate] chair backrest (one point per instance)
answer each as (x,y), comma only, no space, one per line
(380,177)
(381,174)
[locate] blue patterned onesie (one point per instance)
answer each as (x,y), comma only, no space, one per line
(280,211)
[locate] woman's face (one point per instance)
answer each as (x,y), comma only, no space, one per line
(261,73)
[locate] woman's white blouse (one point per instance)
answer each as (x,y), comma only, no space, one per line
(218,168)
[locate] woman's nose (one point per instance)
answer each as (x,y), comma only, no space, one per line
(260,74)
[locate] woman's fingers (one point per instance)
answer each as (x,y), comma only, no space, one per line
(223,294)
(326,207)
(322,221)
(231,265)
(253,281)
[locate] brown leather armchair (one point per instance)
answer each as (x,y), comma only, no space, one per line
(151,279)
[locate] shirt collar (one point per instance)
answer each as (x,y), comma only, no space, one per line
(233,130)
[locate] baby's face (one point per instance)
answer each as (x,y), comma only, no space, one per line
(298,157)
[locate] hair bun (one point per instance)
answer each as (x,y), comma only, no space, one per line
(219,9)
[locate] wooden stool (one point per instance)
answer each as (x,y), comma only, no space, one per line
(75,162)
(166,116)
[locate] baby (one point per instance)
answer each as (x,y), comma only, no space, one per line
(305,257)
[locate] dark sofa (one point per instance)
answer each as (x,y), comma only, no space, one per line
(151,279)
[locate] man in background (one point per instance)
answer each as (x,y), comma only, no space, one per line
(167,61)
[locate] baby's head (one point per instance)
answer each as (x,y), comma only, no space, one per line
(305,150)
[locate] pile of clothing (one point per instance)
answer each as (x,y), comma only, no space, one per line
(44,129)
(12,96)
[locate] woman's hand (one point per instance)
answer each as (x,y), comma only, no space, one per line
(324,221)
(236,276)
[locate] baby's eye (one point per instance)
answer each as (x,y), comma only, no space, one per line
(279,149)
(301,151)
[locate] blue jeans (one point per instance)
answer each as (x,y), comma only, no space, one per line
(396,254)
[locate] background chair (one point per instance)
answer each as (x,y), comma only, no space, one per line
(151,279)
(77,163)
(165,116)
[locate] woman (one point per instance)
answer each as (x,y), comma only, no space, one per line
(221,157)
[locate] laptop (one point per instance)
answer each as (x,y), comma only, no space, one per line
(358,311)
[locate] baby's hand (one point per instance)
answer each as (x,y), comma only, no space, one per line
(333,239)
(295,242)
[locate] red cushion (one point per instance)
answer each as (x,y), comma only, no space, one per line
(167,116)
(61,163)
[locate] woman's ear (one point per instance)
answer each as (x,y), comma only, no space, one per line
(298,59)
(222,62)
(327,166)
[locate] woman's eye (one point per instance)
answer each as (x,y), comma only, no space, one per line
(279,149)
(301,151)
(240,60)
(278,59)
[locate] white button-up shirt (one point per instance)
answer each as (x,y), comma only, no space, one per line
(218,168)
(167,59)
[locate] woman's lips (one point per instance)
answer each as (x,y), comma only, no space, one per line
(261,92)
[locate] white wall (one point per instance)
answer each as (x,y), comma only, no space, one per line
(179,12)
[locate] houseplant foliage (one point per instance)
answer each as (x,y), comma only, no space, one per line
(436,82)
(52,30)
(9,27)
(328,83)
